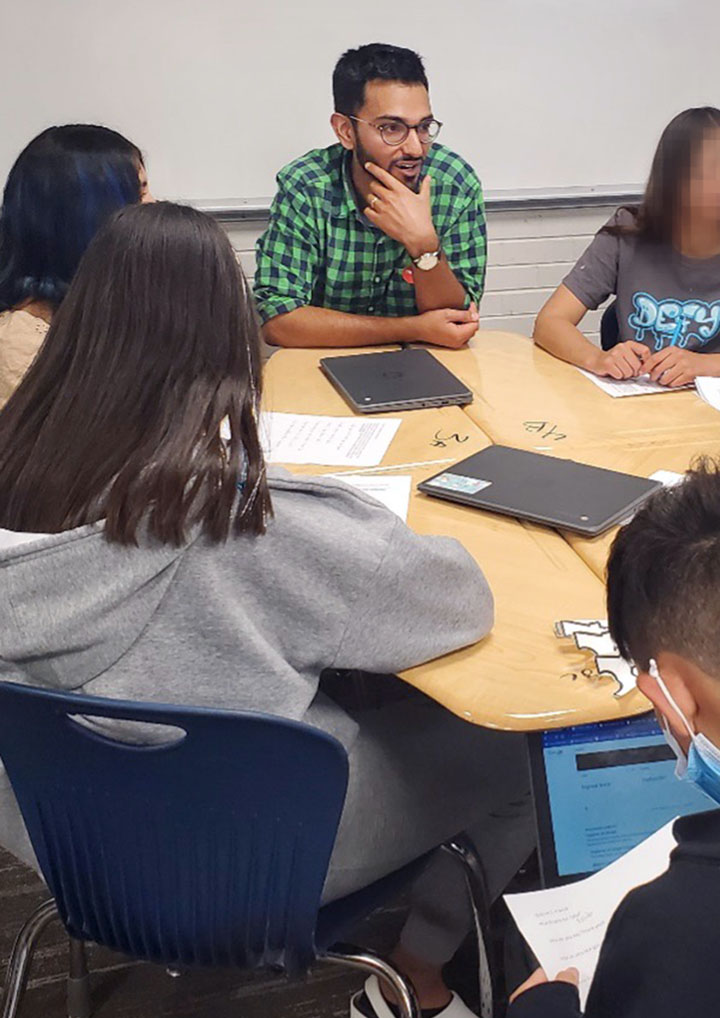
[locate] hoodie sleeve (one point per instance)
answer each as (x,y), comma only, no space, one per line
(426,597)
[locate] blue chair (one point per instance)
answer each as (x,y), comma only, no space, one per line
(609,327)
(210,849)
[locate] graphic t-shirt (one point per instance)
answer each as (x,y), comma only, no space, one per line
(664,298)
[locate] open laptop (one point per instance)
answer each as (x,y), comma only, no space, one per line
(375,383)
(601,789)
(532,486)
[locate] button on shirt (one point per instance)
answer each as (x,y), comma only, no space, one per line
(320,250)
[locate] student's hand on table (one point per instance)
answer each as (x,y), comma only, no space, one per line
(624,360)
(674,366)
(538,977)
(450,327)
(401,213)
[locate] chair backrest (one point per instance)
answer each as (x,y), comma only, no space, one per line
(212,849)
(609,327)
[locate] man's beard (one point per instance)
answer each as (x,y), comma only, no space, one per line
(362,156)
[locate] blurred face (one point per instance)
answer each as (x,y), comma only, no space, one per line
(702,192)
(146,195)
(387,103)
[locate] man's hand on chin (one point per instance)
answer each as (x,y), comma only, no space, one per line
(402,214)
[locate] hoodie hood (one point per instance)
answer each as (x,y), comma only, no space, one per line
(71,604)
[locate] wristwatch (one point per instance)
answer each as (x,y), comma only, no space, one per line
(428,260)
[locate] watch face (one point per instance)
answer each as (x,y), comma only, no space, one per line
(427,261)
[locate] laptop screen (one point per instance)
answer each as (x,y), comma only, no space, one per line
(601,789)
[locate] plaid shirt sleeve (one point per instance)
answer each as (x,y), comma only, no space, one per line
(464,243)
(288,255)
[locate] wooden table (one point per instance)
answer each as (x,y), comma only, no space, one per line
(643,459)
(530,400)
(519,387)
(522,676)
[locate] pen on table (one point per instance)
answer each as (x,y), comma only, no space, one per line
(398,466)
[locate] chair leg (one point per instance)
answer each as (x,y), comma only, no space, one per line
(344,954)
(463,850)
(21,956)
(78,983)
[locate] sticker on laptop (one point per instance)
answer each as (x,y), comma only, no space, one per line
(460,483)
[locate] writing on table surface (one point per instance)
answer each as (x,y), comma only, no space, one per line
(440,441)
(545,429)
(594,635)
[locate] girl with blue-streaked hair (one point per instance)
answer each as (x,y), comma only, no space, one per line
(61,189)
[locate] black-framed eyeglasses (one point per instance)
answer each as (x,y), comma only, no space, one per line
(395,132)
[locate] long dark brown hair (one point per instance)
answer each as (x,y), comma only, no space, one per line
(119,416)
(656,218)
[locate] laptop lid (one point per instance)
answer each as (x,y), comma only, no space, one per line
(533,486)
(397,380)
(601,789)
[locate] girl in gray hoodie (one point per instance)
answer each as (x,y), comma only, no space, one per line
(144,557)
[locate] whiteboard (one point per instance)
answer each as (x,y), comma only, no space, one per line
(220,93)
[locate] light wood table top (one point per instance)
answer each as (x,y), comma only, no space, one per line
(521,677)
(644,459)
(528,399)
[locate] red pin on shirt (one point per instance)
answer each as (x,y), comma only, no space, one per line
(408,276)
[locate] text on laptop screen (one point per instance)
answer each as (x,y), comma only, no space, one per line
(610,785)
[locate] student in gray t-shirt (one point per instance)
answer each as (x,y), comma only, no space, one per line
(661,260)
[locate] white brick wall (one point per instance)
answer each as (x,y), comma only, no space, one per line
(528,255)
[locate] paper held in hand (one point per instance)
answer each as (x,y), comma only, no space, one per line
(565,926)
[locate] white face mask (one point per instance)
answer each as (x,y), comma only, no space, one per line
(701,765)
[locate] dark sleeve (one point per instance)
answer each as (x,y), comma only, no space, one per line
(594,277)
(617,986)
(549,1000)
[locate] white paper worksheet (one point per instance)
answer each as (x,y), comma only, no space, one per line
(393,490)
(641,386)
(709,390)
(565,926)
(325,441)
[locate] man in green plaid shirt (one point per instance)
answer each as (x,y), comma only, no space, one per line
(380,238)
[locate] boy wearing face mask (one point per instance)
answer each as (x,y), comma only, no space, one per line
(661,954)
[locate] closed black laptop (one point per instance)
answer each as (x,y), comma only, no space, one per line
(400,380)
(558,492)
